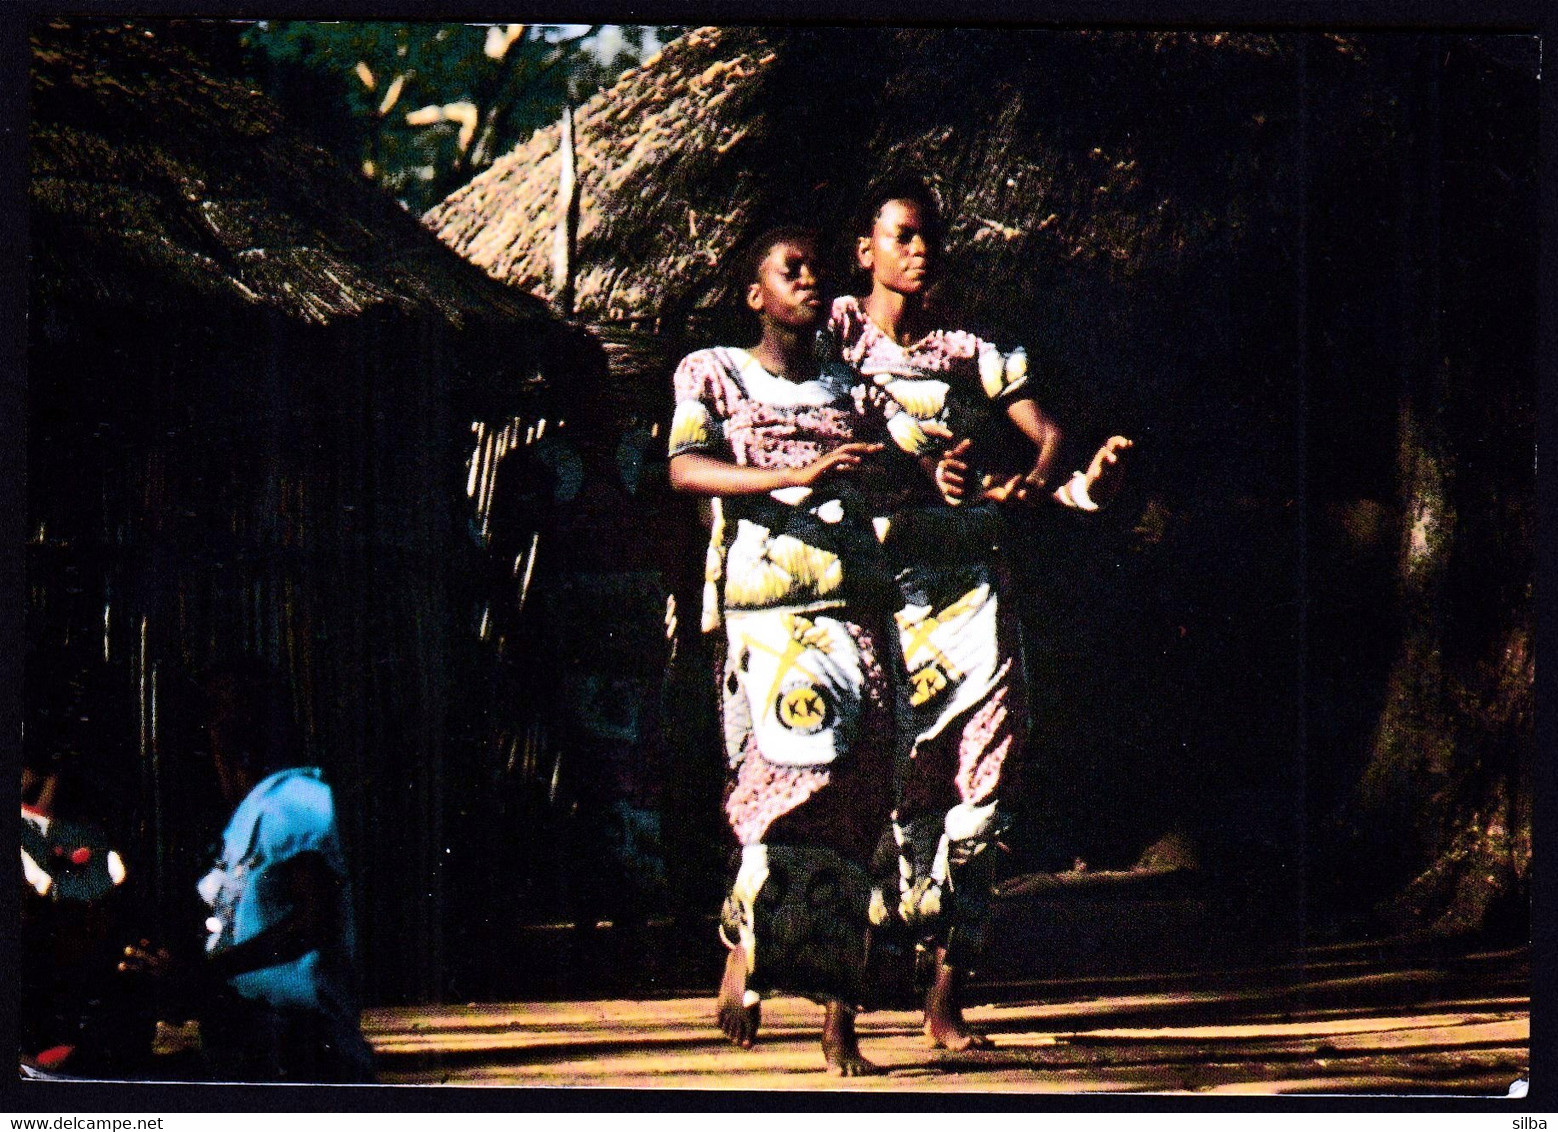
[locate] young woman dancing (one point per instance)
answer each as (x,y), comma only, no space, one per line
(781,446)
(964,708)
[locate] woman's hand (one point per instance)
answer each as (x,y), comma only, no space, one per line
(950,472)
(1027,489)
(844,458)
(142,960)
(1013,490)
(951,476)
(1106,472)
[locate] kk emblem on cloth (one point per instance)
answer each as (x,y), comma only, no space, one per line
(801,677)
(952,654)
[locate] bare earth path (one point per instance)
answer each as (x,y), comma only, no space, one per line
(1345,1020)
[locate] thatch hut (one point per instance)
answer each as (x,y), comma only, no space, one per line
(252,382)
(1192,232)
(1026,136)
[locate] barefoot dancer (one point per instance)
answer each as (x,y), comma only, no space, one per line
(966,713)
(778,447)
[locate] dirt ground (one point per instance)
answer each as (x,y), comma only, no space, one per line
(1351,1020)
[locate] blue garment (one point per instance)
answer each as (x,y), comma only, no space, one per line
(287,814)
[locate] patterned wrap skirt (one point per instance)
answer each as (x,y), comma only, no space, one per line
(963,718)
(809,725)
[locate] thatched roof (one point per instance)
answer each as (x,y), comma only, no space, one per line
(650,149)
(1108,154)
(157,184)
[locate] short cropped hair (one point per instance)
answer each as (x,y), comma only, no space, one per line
(757,250)
(909,188)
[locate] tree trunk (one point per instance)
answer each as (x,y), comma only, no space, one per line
(1442,811)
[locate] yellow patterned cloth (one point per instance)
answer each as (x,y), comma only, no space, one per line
(806,707)
(963,717)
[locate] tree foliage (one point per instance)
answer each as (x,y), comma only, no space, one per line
(422,107)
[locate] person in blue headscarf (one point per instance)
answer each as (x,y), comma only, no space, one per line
(280,937)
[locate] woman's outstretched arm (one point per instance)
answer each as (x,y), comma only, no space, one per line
(705,475)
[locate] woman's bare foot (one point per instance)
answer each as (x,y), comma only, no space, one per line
(840,1046)
(737,1019)
(944,1024)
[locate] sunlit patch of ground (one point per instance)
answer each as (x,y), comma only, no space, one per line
(1338,1022)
